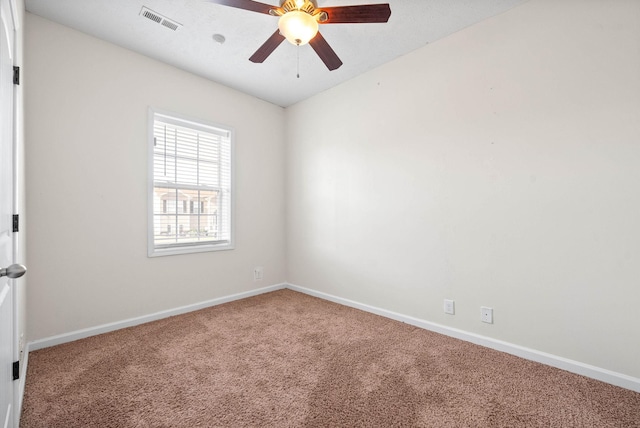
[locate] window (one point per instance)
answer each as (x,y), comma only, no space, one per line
(190,186)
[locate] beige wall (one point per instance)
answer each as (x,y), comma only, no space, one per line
(86,135)
(497,167)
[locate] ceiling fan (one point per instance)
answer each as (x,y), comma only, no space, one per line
(299,21)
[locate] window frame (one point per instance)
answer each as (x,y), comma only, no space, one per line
(193,123)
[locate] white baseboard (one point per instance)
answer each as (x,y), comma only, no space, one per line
(572,366)
(105,328)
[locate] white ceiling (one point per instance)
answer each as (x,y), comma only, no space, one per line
(361,47)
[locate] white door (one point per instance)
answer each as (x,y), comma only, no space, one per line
(6,213)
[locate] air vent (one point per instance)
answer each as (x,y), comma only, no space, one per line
(170,24)
(159,19)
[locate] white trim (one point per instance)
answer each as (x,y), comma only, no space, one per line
(14,15)
(604,375)
(201,248)
(224,131)
(150,226)
(105,328)
(22,382)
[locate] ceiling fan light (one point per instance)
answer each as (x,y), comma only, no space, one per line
(298,27)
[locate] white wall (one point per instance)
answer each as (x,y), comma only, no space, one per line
(497,167)
(86,135)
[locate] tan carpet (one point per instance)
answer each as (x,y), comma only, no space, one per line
(285,359)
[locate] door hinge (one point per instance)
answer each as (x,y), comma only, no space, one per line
(16,75)
(16,370)
(16,223)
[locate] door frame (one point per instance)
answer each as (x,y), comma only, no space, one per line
(15,10)
(8,142)
(20,350)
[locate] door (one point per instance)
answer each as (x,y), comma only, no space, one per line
(6,213)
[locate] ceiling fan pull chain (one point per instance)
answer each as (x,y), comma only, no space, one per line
(298,61)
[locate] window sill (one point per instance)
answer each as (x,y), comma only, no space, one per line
(159,252)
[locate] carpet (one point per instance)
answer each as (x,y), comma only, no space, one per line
(286,359)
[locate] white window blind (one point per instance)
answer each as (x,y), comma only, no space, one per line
(191,192)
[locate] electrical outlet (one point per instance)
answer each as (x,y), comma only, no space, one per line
(486,314)
(257,273)
(449,307)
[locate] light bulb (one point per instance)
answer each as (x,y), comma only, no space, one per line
(298,27)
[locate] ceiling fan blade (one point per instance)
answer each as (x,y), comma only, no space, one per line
(269,46)
(357,14)
(325,52)
(253,6)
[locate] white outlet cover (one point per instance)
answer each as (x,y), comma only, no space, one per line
(257,273)
(486,314)
(449,307)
